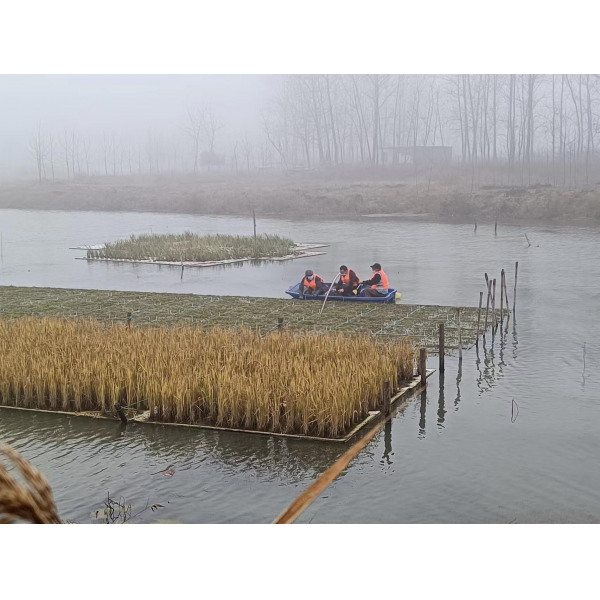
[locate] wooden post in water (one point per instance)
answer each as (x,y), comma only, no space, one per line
(479,315)
(501,296)
(494,303)
(459,334)
(487,306)
(442,350)
(475,225)
(496,227)
(515,294)
(387,398)
(121,413)
(423,364)
(254,221)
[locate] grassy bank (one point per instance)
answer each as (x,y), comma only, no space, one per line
(386,322)
(452,194)
(284,382)
(190,246)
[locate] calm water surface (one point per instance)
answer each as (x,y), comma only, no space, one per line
(459,453)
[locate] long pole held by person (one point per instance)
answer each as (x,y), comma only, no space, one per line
(329,290)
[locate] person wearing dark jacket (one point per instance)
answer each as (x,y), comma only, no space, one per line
(378,284)
(349,281)
(312,284)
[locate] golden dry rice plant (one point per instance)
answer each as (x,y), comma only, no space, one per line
(30,500)
(292,383)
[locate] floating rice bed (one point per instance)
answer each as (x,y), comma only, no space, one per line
(287,382)
(386,322)
(194,250)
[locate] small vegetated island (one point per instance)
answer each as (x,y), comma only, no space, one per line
(189,247)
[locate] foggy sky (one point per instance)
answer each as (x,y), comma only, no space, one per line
(93,104)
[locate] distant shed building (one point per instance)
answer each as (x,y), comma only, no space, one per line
(424,155)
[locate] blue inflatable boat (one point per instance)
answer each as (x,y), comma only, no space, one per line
(389,298)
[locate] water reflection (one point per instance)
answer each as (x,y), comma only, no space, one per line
(441,404)
(423,414)
(387,442)
(458,380)
(163,445)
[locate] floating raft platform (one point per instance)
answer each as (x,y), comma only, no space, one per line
(387,322)
(399,398)
(303,251)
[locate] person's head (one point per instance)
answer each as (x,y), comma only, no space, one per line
(309,274)
(343,269)
(376,267)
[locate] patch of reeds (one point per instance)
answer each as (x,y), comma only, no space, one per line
(284,382)
(190,246)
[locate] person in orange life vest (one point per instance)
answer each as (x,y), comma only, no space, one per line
(311,285)
(348,282)
(378,284)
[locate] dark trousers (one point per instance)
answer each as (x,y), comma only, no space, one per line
(346,289)
(371,293)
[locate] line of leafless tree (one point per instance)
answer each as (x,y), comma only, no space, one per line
(518,125)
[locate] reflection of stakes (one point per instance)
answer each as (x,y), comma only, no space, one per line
(514,414)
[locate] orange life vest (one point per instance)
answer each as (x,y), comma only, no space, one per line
(311,285)
(346,278)
(383,284)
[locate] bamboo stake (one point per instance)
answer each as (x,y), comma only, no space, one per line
(479,313)
(501,296)
(459,335)
(442,349)
(487,306)
(423,364)
(387,397)
(494,304)
(515,293)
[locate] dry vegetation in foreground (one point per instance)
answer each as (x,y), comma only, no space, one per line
(31,500)
(284,382)
(190,246)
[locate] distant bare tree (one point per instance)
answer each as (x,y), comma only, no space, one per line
(66,150)
(37,150)
(194,129)
(105,149)
(246,148)
(50,148)
(85,147)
